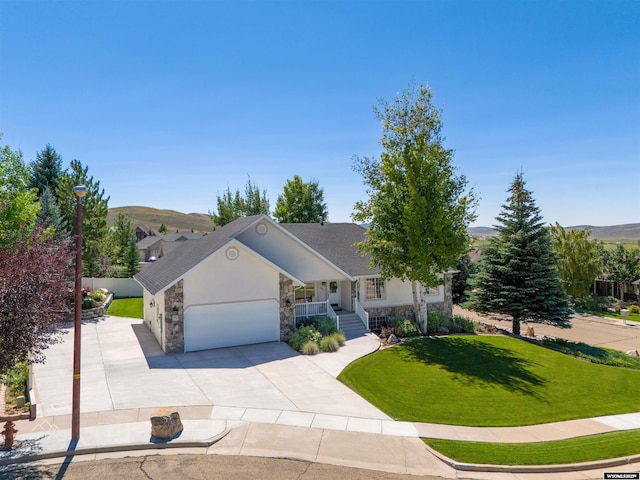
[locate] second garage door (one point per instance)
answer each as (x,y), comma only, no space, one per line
(231,324)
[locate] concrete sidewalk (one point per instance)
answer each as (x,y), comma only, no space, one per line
(383,445)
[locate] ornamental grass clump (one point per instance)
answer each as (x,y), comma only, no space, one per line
(329,344)
(339,338)
(310,348)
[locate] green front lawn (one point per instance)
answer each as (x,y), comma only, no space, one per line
(126,307)
(489,381)
(634,317)
(573,450)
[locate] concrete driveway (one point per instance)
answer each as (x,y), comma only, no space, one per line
(123,368)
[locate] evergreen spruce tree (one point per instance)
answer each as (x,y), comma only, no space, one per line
(46,170)
(131,257)
(517,275)
(49,215)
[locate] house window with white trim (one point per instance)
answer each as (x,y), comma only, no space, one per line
(374,289)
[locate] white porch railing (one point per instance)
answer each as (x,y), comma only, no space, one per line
(316,309)
(362,313)
(311,309)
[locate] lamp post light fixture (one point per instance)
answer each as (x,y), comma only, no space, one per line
(80,192)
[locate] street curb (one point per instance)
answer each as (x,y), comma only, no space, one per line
(116,448)
(567,467)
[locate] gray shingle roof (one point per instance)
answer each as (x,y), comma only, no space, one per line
(146,242)
(187,255)
(336,242)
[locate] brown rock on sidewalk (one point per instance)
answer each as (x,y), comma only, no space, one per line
(165,423)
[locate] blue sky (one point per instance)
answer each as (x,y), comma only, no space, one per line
(170,102)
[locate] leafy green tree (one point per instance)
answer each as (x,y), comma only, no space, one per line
(622,265)
(579,260)
(119,237)
(235,205)
(517,274)
(163,229)
(301,202)
(95,206)
(49,215)
(418,207)
(46,170)
(18,203)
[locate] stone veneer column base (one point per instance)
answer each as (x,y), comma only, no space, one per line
(287,310)
(174,320)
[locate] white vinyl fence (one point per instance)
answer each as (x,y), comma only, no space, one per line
(120,287)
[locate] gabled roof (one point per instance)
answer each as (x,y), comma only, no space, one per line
(178,236)
(146,242)
(337,243)
(170,268)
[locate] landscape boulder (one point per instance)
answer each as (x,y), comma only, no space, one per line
(165,423)
(633,353)
(442,330)
(392,339)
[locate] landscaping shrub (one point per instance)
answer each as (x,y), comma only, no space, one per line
(634,309)
(436,320)
(325,325)
(405,327)
(304,335)
(88,302)
(16,379)
(97,295)
(329,344)
(603,356)
(338,337)
(310,348)
(461,324)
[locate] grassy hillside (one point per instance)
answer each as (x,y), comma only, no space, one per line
(183,222)
(613,233)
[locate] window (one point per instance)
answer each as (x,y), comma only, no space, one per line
(374,289)
(431,290)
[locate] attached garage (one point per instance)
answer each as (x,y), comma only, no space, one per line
(231,324)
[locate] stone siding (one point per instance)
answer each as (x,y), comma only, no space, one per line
(287,310)
(445,307)
(174,320)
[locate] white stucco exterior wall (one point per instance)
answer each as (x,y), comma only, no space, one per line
(279,248)
(246,278)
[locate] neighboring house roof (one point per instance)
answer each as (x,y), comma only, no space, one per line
(147,242)
(174,265)
(337,243)
(180,236)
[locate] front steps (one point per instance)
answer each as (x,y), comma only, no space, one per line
(351,325)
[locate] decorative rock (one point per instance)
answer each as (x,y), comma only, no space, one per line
(530,332)
(442,330)
(633,353)
(165,423)
(392,339)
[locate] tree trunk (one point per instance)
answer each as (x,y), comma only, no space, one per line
(516,326)
(416,308)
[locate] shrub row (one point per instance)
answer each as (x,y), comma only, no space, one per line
(318,335)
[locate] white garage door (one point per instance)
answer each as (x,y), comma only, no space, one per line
(231,324)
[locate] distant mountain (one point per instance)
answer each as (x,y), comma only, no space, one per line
(174,221)
(629,231)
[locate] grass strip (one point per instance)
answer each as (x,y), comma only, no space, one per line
(489,381)
(573,450)
(126,307)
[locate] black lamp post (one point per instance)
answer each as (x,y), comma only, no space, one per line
(80,192)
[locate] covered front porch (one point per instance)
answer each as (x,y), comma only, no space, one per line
(334,299)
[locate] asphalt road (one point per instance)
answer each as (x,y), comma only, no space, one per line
(198,467)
